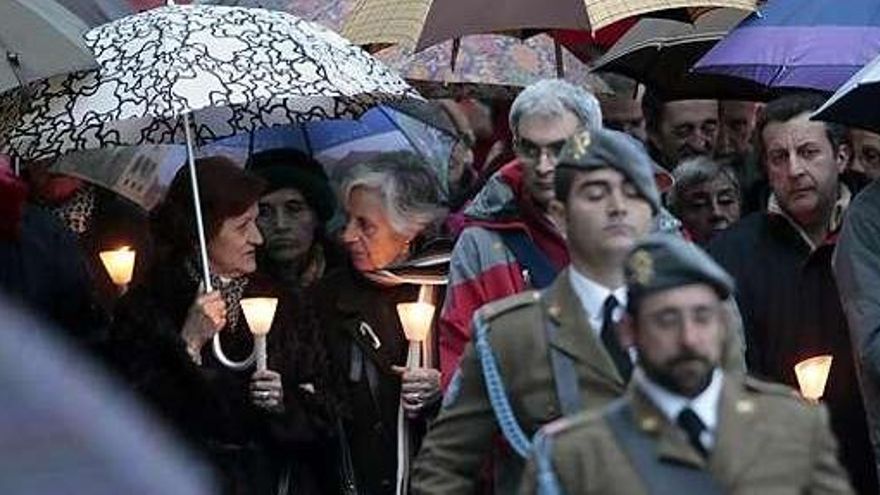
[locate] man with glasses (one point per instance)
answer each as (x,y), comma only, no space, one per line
(509,242)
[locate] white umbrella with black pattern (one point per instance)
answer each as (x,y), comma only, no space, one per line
(190,74)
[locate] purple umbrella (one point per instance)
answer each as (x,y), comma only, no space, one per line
(816,44)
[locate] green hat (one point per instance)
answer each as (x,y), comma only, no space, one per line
(666,261)
(605,148)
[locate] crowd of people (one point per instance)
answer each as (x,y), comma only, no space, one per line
(624,284)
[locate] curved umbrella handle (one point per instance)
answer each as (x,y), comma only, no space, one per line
(225,361)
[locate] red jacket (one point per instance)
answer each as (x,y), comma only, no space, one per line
(482,268)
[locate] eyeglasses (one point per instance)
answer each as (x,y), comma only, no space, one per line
(533,151)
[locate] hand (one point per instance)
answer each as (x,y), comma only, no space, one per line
(267,391)
(206,316)
(420,387)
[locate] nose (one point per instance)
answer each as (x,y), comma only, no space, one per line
(690,333)
(349,233)
(616,203)
(796,166)
(256,237)
(546,161)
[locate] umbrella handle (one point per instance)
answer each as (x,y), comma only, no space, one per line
(225,361)
(203,245)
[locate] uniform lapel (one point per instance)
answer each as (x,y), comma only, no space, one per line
(575,337)
(741,436)
(672,443)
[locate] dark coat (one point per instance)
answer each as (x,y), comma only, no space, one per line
(791,310)
(209,404)
(345,300)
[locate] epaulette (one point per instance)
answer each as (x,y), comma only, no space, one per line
(501,306)
(755,385)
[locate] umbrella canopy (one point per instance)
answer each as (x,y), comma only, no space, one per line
(660,53)
(421,23)
(40,38)
(816,44)
(488,66)
(233,69)
(855,103)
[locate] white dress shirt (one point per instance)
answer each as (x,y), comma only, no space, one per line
(671,404)
(592,296)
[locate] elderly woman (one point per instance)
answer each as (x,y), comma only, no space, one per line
(249,424)
(706,197)
(392,203)
(294,211)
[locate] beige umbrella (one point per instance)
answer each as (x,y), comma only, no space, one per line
(418,24)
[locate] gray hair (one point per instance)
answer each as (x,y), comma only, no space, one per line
(553,97)
(410,192)
(695,171)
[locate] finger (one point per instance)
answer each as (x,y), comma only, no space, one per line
(266,375)
(400,370)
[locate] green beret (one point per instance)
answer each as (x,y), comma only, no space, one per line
(606,148)
(289,168)
(666,261)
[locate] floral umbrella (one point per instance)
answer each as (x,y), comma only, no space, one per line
(181,74)
(493,66)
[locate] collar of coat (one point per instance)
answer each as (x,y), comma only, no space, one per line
(844,197)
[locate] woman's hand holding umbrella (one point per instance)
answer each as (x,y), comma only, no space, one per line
(206,317)
(267,391)
(420,388)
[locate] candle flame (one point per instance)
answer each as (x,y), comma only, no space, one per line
(119,264)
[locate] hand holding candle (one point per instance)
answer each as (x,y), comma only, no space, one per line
(119,264)
(812,376)
(259,313)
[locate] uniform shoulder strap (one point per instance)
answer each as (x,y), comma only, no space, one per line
(660,478)
(564,374)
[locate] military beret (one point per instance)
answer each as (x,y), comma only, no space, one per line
(289,168)
(666,261)
(606,148)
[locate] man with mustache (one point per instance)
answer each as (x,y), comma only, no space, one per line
(781,261)
(541,355)
(686,426)
(679,129)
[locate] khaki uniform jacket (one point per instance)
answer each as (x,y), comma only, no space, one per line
(459,440)
(768,442)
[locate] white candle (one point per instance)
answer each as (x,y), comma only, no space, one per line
(259,312)
(119,264)
(812,376)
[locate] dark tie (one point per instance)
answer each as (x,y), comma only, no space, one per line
(612,344)
(694,427)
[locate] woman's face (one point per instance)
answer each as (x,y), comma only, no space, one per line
(368,236)
(232,251)
(288,225)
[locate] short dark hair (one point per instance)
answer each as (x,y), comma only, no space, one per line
(790,106)
(562,180)
(226,190)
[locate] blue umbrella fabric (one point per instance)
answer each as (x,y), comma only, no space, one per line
(64,428)
(816,44)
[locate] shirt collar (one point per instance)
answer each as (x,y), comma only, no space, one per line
(844,197)
(593,295)
(671,404)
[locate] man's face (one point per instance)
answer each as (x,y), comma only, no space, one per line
(678,333)
(738,119)
(603,218)
(538,143)
(625,115)
(288,225)
(802,167)
(866,152)
(709,207)
(687,128)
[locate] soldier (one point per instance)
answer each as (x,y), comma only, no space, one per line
(539,355)
(685,425)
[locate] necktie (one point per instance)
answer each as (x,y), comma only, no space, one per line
(612,344)
(694,427)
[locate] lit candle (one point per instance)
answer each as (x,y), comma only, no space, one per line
(119,264)
(812,375)
(259,313)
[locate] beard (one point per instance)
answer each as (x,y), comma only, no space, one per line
(675,377)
